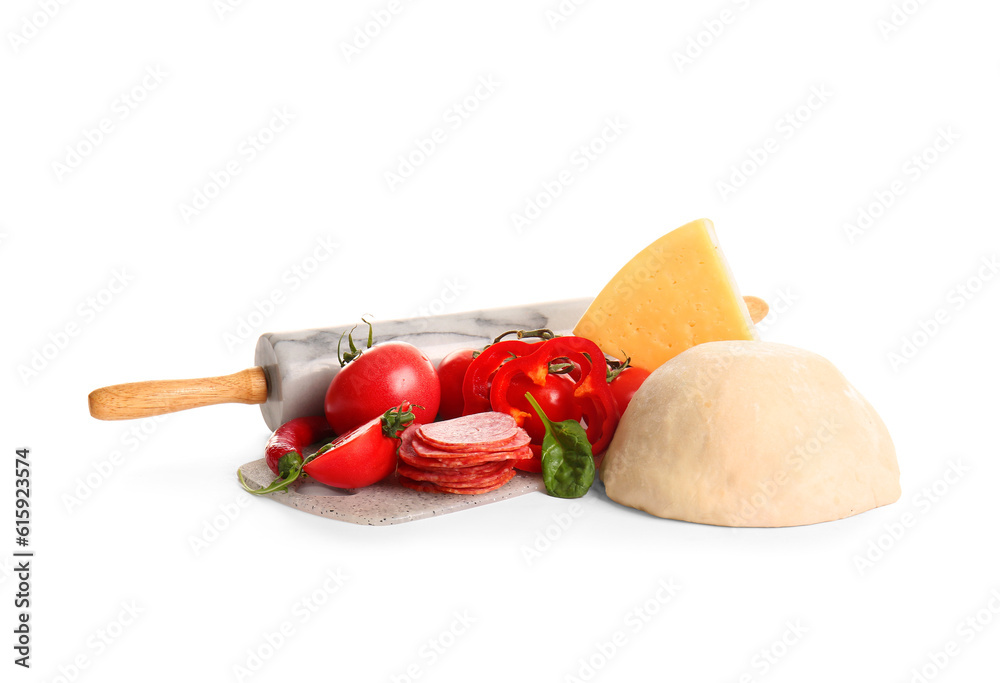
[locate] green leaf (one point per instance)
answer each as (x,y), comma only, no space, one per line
(567,458)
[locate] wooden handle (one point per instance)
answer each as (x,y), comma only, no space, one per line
(144,399)
(758,308)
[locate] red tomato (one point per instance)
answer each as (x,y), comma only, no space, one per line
(359,458)
(623,386)
(451,373)
(555,397)
(382,377)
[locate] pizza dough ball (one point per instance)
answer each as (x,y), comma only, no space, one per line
(750,434)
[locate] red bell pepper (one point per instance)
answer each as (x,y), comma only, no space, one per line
(476,385)
(592,402)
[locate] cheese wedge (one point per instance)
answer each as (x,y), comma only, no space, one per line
(676,293)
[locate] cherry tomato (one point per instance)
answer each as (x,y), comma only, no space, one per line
(623,386)
(383,376)
(451,372)
(359,458)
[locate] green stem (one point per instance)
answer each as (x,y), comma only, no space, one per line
(538,409)
(617,367)
(290,464)
(355,351)
(543,333)
(397,419)
(370,330)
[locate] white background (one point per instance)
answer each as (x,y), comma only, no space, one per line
(64,233)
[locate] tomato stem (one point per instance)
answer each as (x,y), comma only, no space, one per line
(617,367)
(561,366)
(355,351)
(397,419)
(543,333)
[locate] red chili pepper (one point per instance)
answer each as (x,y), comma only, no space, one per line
(592,401)
(476,386)
(295,435)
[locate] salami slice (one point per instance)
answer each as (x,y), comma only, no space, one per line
(479,431)
(408,456)
(519,439)
(495,479)
(439,488)
(482,464)
(457,474)
(426,450)
(498,479)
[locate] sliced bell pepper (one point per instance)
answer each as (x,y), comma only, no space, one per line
(593,402)
(476,385)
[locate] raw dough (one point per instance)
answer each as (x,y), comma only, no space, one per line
(754,434)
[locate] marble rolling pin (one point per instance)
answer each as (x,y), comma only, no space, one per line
(292,370)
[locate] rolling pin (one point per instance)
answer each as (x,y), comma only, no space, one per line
(292,370)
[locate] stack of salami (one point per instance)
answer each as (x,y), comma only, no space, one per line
(471,454)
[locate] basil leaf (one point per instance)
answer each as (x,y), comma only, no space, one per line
(567,458)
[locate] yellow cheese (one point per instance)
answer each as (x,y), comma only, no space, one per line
(674,294)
